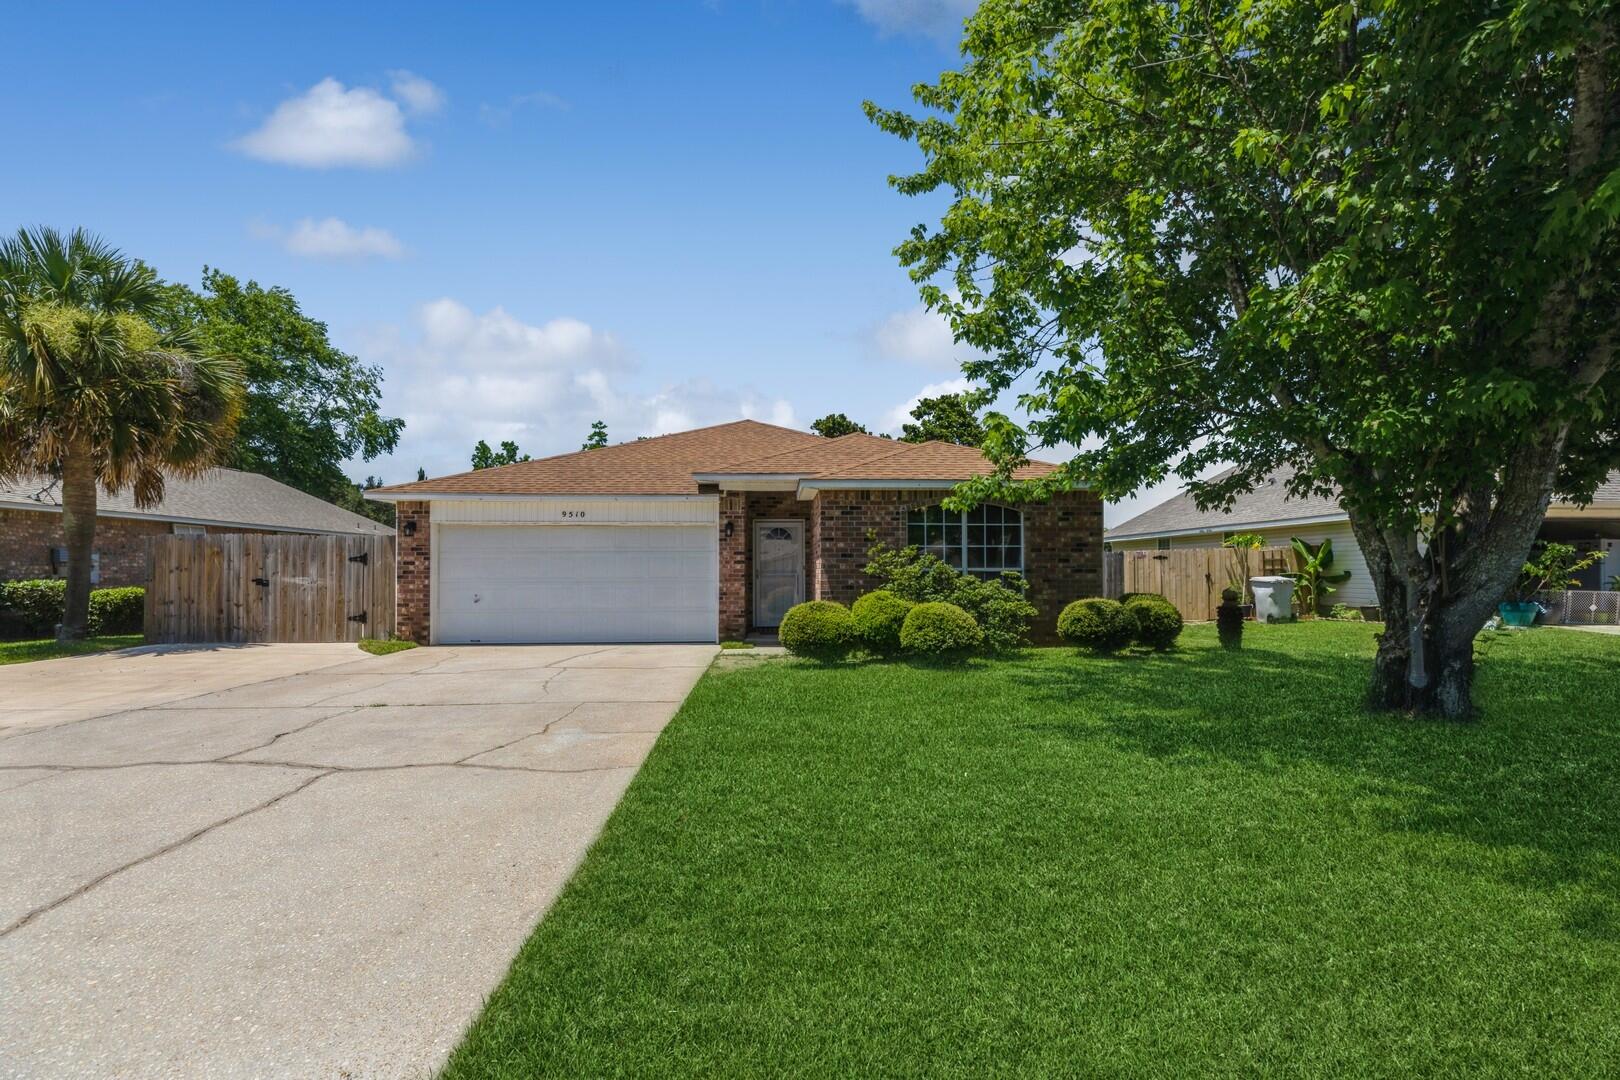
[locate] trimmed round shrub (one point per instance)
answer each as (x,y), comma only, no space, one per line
(1158,623)
(878,618)
(1097,624)
(818,629)
(1127,597)
(940,630)
(118,611)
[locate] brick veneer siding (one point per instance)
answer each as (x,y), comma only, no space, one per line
(26,537)
(742,510)
(413,565)
(1062,546)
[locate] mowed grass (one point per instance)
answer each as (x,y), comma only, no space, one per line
(22,652)
(1192,864)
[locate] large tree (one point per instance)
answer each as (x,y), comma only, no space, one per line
(91,391)
(948,418)
(310,406)
(1372,241)
(836,424)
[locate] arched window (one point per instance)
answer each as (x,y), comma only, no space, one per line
(985,540)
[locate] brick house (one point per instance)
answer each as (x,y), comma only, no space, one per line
(222,501)
(709,535)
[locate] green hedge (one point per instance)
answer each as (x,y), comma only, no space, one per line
(1096,624)
(32,609)
(818,629)
(940,630)
(878,618)
(1158,623)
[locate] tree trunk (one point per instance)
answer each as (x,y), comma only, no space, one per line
(79,528)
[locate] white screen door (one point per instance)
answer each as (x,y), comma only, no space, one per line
(778,569)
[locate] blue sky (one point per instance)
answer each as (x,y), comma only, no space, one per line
(532,216)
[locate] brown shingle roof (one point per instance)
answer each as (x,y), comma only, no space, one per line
(662,465)
(930,461)
(666,465)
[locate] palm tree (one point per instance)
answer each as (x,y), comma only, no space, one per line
(92,392)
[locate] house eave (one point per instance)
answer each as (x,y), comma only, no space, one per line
(462,496)
(1225,526)
(218,523)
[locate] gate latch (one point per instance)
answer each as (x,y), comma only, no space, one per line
(358,618)
(364,558)
(263,581)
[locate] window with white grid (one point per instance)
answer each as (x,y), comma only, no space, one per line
(985,541)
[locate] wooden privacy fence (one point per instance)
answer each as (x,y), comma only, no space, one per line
(1192,578)
(241,587)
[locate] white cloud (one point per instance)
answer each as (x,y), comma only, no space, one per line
(330,125)
(919,336)
(498,115)
(417,94)
(332,238)
(900,415)
(458,376)
(939,19)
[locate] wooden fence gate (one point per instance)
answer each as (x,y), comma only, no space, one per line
(241,587)
(1192,578)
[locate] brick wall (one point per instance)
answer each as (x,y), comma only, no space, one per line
(413,564)
(1062,545)
(26,537)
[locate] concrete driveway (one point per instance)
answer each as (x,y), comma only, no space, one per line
(295,860)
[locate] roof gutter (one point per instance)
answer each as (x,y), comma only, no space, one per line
(463,496)
(1229,526)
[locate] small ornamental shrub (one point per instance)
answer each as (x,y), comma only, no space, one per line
(999,605)
(31,609)
(1127,597)
(878,617)
(1158,623)
(1096,624)
(117,611)
(818,629)
(940,631)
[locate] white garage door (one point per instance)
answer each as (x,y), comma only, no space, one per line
(576,583)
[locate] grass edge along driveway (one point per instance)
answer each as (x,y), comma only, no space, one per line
(26,652)
(1190,864)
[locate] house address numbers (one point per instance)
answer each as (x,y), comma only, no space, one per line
(573,513)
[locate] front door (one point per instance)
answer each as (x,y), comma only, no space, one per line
(778,569)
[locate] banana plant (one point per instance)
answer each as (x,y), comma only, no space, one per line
(1315,579)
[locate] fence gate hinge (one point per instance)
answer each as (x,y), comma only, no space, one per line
(364,558)
(358,618)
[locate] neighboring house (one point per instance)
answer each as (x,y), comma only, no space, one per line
(708,534)
(1178,523)
(220,501)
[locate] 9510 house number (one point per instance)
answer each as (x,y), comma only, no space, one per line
(573,513)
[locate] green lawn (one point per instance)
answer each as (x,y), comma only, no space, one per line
(384,646)
(1180,865)
(21,652)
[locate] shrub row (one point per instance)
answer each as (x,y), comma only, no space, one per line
(31,609)
(880,623)
(1109,625)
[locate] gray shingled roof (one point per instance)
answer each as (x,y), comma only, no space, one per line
(1268,504)
(219,497)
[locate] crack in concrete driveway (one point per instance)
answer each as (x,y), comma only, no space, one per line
(319,873)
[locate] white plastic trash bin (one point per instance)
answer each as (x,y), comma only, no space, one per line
(1273,598)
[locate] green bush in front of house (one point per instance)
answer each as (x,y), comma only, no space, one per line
(818,629)
(879,615)
(1158,622)
(1096,624)
(940,631)
(117,611)
(999,605)
(31,609)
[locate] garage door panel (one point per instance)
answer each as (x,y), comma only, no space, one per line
(575,583)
